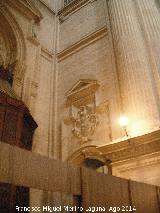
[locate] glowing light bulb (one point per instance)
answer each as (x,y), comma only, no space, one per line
(123,121)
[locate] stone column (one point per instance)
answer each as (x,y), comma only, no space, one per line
(133,68)
(150,22)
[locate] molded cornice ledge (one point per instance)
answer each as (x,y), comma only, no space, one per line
(72,7)
(132,147)
(26,7)
(84,42)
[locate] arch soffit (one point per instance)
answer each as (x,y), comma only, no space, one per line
(16,43)
(14,35)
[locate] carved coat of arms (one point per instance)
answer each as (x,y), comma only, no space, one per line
(85,123)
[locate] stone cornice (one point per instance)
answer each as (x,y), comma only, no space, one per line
(47,54)
(85,152)
(133,147)
(89,39)
(84,88)
(26,7)
(72,7)
(143,161)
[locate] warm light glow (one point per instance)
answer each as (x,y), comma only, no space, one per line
(123,121)
(140,127)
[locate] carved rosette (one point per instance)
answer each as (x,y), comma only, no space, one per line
(85,124)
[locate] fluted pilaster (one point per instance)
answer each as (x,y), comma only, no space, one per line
(150,23)
(150,18)
(134,70)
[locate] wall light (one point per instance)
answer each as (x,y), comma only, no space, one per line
(123,121)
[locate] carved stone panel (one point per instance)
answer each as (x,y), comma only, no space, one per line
(8,44)
(85,123)
(82,93)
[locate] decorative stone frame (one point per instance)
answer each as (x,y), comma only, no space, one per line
(16,41)
(81,94)
(84,93)
(29,10)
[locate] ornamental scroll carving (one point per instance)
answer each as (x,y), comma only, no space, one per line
(85,124)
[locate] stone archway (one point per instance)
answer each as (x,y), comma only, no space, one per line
(8,44)
(12,58)
(12,48)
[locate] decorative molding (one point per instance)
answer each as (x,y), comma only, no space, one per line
(47,54)
(32,34)
(133,147)
(34,89)
(101,108)
(33,40)
(84,42)
(27,8)
(85,124)
(72,7)
(79,156)
(8,40)
(19,71)
(3,50)
(11,27)
(14,37)
(66,2)
(84,88)
(82,120)
(143,161)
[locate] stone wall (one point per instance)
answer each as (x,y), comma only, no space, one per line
(106,49)
(34,75)
(123,60)
(85,52)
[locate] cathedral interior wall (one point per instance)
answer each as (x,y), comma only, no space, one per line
(61,50)
(36,90)
(144,169)
(93,61)
(86,20)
